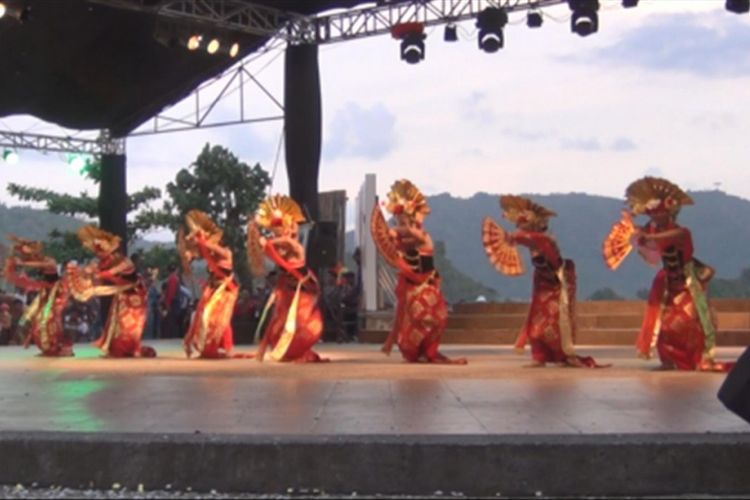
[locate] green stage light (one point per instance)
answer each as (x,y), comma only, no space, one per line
(10,157)
(78,162)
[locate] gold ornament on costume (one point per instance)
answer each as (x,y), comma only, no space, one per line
(518,209)
(197,220)
(98,240)
(618,243)
(503,255)
(278,211)
(654,194)
(382,238)
(254,250)
(406,198)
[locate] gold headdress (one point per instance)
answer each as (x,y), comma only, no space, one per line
(197,220)
(278,211)
(98,240)
(26,249)
(653,195)
(405,198)
(518,209)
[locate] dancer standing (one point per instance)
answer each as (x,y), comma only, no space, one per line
(678,321)
(550,327)
(421,311)
(296,324)
(44,316)
(210,332)
(113,274)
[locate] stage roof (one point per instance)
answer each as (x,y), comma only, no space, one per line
(84,65)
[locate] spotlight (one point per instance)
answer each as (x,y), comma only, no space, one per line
(534,19)
(213,46)
(234,50)
(10,157)
(738,6)
(412,48)
(194,42)
(451,33)
(584,20)
(490,23)
(3,9)
(629,3)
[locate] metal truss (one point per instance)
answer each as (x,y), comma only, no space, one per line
(378,20)
(102,145)
(234,81)
(237,15)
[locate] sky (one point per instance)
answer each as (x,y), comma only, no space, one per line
(662,89)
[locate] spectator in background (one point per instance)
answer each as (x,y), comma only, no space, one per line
(16,311)
(153,317)
(172,324)
(6,324)
(350,298)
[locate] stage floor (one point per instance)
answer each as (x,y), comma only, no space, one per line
(360,392)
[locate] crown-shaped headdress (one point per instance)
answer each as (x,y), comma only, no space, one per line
(98,240)
(278,211)
(518,209)
(652,195)
(406,198)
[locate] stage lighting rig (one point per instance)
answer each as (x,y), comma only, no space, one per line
(738,6)
(451,33)
(412,41)
(15,10)
(10,157)
(584,20)
(534,19)
(490,23)
(628,4)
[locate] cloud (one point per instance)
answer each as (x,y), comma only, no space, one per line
(477,108)
(359,132)
(689,43)
(715,121)
(527,135)
(623,144)
(653,171)
(587,144)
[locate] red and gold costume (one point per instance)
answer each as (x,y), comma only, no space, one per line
(550,327)
(678,320)
(113,274)
(421,311)
(43,318)
(210,332)
(296,324)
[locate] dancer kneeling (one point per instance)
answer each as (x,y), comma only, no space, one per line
(550,327)
(421,311)
(44,316)
(113,274)
(210,332)
(678,320)
(296,324)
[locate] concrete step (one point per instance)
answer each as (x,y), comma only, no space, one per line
(586,336)
(592,307)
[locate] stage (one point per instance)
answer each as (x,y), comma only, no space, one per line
(369,423)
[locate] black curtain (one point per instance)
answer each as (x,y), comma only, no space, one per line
(113,197)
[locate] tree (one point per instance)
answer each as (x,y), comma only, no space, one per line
(85,205)
(605,294)
(222,186)
(456,285)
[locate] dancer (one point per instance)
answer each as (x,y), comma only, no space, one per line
(421,311)
(210,332)
(678,321)
(43,318)
(550,327)
(296,324)
(113,274)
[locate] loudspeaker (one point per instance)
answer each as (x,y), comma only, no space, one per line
(322,245)
(735,391)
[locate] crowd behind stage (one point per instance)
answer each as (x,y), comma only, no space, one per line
(171,303)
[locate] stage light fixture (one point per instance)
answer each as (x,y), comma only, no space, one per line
(534,19)
(10,157)
(584,20)
(412,48)
(194,42)
(490,23)
(234,50)
(3,9)
(451,33)
(738,6)
(628,4)
(213,46)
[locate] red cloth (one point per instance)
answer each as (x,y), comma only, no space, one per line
(173,284)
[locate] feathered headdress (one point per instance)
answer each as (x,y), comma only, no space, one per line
(518,209)
(652,195)
(406,198)
(98,240)
(278,211)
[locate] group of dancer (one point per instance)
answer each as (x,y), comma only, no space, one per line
(679,324)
